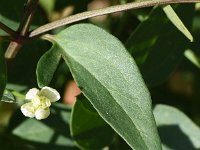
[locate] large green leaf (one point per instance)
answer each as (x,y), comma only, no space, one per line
(158,46)
(110,79)
(88,129)
(2,72)
(47,66)
(176,130)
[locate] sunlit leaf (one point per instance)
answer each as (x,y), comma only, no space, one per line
(192,57)
(52,133)
(8,97)
(173,17)
(109,78)
(176,130)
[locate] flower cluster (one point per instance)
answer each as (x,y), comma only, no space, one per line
(40,101)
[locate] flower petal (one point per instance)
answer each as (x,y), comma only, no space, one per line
(28,110)
(50,93)
(41,113)
(32,93)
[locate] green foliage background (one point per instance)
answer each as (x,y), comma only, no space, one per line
(114,109)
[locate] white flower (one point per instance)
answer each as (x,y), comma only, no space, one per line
(28,110)
(42,113)
(40,101)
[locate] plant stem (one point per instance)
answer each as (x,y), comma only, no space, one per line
(28,16)
(23,29)
(89,14)
(8,30)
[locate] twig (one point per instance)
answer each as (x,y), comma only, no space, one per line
(23,29)
(89,14)
(28,16)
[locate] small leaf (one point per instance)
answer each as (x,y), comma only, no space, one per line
(176,130)
(192,57)
(111,81)
(3,76)
(47,66)
(91,131)
(16,87)
(8,97)
(173,17)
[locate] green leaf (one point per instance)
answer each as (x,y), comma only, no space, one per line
(3,76)
(158,46)
(33,130)
(10,23)
(176,130)
(173,17)
(16,87)
(110,79)
(192,57)
(14,93)
(8,97)
(88,129)
(47,66)
(52,133)
(48,7)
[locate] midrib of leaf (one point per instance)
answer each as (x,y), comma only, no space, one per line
(130,120)
(110,89)
(109,63)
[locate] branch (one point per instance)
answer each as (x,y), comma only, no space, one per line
(89,14)
(28,16)
(23,29)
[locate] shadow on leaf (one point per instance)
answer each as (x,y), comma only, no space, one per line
(173,137)
(51,133)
